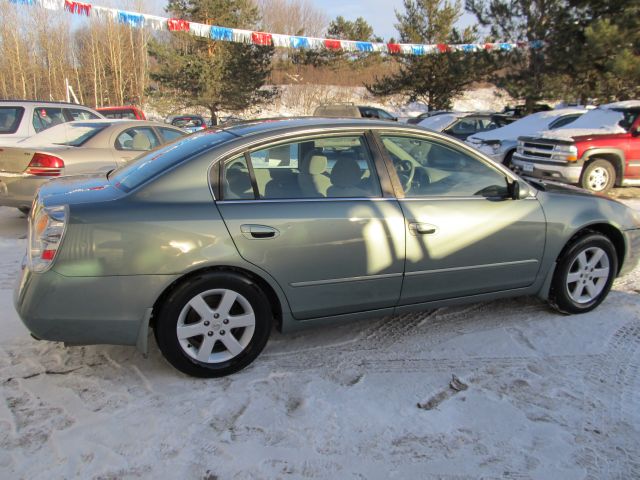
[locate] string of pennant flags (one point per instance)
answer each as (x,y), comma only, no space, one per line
(218,33)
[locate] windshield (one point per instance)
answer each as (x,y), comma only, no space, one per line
(615,120)
(74,134)
(438,122)
(147,166)
(10,119)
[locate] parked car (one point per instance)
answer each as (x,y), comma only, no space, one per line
(74,148)
(20,119)
(598,151)
(463,124)
(501,143)
(418,118)
(350,110)
(520,111)
(213,239)
(189,123)
(128,112)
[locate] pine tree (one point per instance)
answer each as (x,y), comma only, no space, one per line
(342,29)
(435,78)
(598,50)
(529,74)
(215,75)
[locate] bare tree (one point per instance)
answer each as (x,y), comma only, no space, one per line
(292,17)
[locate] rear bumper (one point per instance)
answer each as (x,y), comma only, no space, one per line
(17,190)
(87,310)
(562,172)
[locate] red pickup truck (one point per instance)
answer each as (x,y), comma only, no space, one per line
(597,151)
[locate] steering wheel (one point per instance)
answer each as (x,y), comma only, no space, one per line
(405,170)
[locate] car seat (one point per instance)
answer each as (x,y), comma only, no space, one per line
(345,180)
(312,181)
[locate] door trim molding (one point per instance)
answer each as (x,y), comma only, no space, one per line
(344,280)
(470,267)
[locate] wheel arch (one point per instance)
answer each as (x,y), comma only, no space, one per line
(612,155)
(267,289)
(611,232)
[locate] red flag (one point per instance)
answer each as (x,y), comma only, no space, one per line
(394,48)
(261,38)
(177,25)
(332,44)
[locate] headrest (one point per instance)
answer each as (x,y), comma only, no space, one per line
(346,173)
(317,164)
(141,142)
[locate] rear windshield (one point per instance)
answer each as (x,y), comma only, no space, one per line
(10,119)
(81,133)
(73,134)
(147,166)
(119,114)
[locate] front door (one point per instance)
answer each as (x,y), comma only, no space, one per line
(464,235)
(311,212)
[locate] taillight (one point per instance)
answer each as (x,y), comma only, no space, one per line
(45,165)
(46,229)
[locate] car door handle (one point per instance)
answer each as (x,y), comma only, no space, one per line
(422,228)
(259,232)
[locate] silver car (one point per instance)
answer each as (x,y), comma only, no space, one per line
(500,144)
(213,239)
(20,119)
(74,148)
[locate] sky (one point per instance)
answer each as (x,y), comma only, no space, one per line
(380,14)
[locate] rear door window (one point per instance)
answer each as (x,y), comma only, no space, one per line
(331,167)
(10,119)
(138,138)
(80,114)
(47,117)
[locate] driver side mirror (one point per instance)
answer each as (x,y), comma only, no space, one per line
(513,190)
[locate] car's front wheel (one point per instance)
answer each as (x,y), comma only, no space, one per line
(584,274)
(213,325)
(599,176)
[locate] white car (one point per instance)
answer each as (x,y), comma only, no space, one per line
(501,143)
(20,119)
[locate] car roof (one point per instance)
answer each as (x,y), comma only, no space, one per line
(39,102)
(123,107)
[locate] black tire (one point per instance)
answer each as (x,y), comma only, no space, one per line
(24,210)
(598,176)
(562,294)
(165,328)
(507,160)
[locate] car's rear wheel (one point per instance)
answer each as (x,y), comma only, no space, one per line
(24,210)
(213,325)
(598,176)
(584,274)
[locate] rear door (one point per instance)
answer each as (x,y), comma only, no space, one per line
(317,214)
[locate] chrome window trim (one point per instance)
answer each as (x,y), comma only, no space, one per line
(345,280)
(318,199)
(470,267)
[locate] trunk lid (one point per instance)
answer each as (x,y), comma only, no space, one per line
(78,189)
(16,159)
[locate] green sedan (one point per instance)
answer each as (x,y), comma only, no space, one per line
(213,239)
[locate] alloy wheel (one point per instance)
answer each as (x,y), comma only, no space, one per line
(216,326)
(588,275)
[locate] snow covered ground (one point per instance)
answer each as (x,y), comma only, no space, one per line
(547,397)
